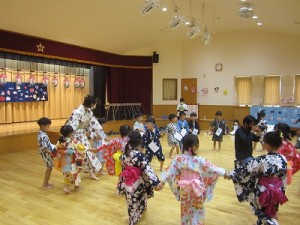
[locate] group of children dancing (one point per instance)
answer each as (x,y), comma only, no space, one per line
(261,181)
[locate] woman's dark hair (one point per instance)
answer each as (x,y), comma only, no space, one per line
(189,141)
(171,116)
(89,101)
(150,120)
(44,121)
(135,140)
(124,130)
(285,129)
(101,120)
(218,113)
(273,138)
(137,115)
(249,119)
(260,115)
(193,114)
(181,99)
(65,131)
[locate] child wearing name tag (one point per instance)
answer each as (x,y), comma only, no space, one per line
(152,143)
(218,127)
(174,136)
(194,124)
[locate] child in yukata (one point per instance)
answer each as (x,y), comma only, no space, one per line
(114,146)
(137,179)
(152,143)
(66,159)
(194,124)
(218,127)
(138,125)
(45,148)
(192,179)
(262,181)
(235,126)
(183,126)
(172,130)
(262,124)
(287,149)
(100,141)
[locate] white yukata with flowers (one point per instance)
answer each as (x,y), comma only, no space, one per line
(83,121)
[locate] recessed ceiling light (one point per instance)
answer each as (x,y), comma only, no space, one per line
(164,9)
(187,23)
(254,17)
(259,23)
(243,0)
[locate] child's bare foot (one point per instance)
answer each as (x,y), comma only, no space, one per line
(93,177)
(67,190)
(48,186)
(78,188)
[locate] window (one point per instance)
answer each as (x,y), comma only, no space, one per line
(272,90)
(169,89)
(243,87)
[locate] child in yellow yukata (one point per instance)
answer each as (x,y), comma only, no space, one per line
(192,179)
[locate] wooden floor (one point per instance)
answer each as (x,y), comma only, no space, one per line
(23,202)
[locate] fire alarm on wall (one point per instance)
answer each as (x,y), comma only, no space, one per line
(219,67)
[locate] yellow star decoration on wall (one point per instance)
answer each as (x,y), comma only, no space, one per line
(40,47)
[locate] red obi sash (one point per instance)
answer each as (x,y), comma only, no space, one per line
(272,195)
(131,174)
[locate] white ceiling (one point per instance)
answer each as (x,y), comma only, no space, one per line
(117,25)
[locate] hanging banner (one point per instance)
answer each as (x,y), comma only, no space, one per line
(12,92)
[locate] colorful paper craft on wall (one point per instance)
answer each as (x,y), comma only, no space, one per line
(274,115)
(24,92)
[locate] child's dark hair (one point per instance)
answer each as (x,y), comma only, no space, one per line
(218,113)
(171,116)
(189,141)
(44,121)
(193,114)
(101,120)
(124,130)
(181,100)
(65,131)
(150,120)
(273,138)
(137,115)
(135,140)
(285,129)
(89,101)
(249,119)
(236,121)
(182,114)
(260,115)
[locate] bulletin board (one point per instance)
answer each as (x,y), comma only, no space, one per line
(274,115)
(11,92)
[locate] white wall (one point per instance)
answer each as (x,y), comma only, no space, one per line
(169,66)
(241,53)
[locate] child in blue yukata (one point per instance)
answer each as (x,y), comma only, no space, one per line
(138,125)
(183,125)
(45,148)
(152,144)
(102,140)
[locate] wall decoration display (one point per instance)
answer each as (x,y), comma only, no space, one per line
(24,92)
(191,108)
(274,115)
(204,92)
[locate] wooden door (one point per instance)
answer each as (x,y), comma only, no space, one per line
(189,90)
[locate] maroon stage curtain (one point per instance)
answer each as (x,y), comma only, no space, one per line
(130,86)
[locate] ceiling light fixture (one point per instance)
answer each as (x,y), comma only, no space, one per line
(164,9)
(259,23)
(149,6)
(255,17)
(194,29)
(246,11)
(177,20)
(206,36)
